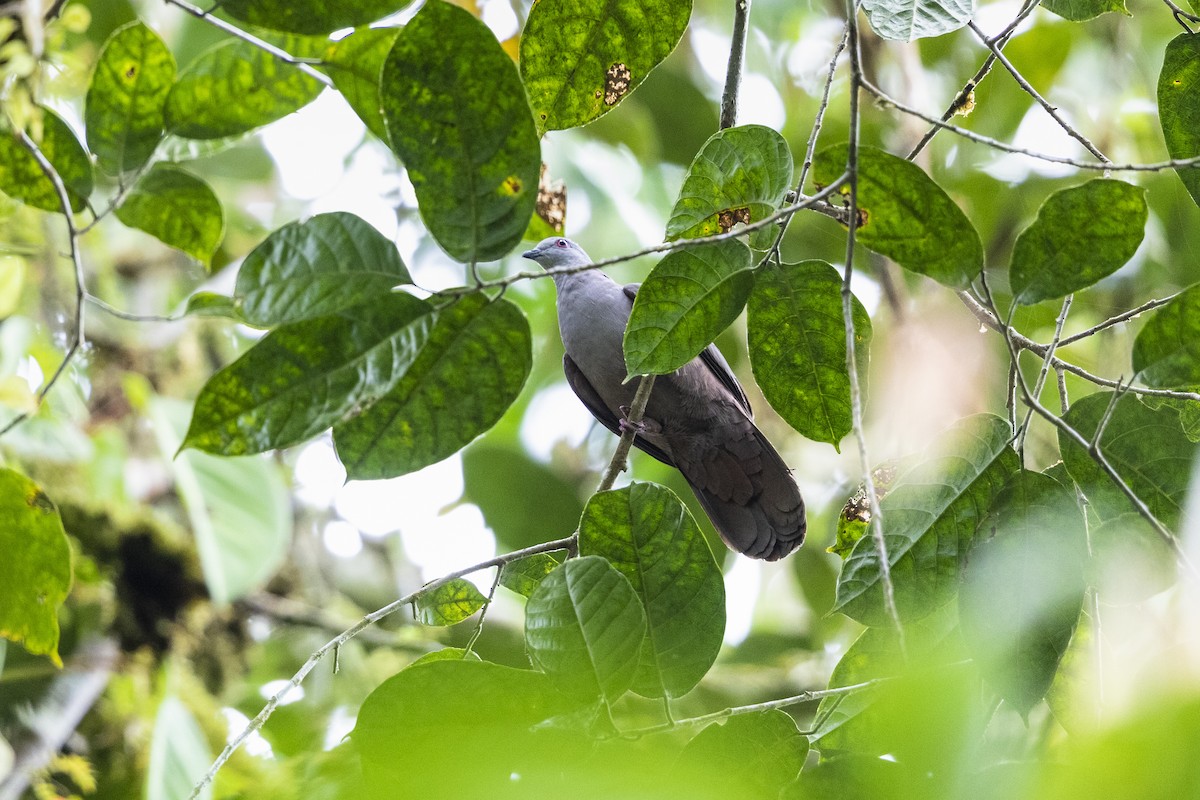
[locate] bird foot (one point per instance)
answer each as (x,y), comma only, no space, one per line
(627,425)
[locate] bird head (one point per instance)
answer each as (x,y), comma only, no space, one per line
(557,252)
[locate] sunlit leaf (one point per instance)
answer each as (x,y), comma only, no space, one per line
(36,571)
(471,365)
(1081,235)
(905,20)
(907,217)
(929,523)
(1179,105)
(524,575)
(584,626)
(310,16)
(124,110)
(179,753)
(797,342)
(650,537)
(458,119)
(355,64)
(1166,353)
(579,58)
(450,603)
(686,301)
(178,209)
(22,178)
(740,176)
(317,267)
(233,88)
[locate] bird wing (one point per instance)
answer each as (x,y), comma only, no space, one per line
(588,395)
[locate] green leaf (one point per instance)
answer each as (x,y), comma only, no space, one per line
(458,119)
(124,110)
(36,575)
(1032,567)
(211,304)
(178,209)
(355,64)
(1083,10)
(471,364)
(579,58)
(749,755)
(650,537)
(310,16)
(1179,105)
(463,727)
(686,301)
(797,342)
(524,575)
(740,176)
(179,753)
(233,88)
(1166,353)
(239,509)
(1130,561)
(907,217)
(1081,234)
(21,176)
(1146,447)
(494,475)
(450,603)
(584,627)
(317,267)
(929,523)
(905,20)
(303,377)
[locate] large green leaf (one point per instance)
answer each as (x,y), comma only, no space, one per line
(304,377)
(907,217)
(579,58)
(686,301)
(233,88)
(740,176)
(317,267)
(1081,235)
(458,119)
(310,16)
(1083,10)
(750,755)
(1166,352)
(650,537)
(450,603)
(471,365)
(21,176)
(1023,587)
(239,509)
(929,523)
(179,753)
(124,111)
(355,64)
(905,20)
(797,342)
(36,571)
(1179,105)
(178,209)
(584,626)
(1147,448)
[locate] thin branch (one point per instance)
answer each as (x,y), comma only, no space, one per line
(1045,370)
(1122,317)
(631,423)
(292,612)
(256,724)
(112,310)
(1181,15)
(77,335)
(302,64)
(737,59)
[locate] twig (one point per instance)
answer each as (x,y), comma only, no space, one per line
(1045,370)
(290,611)
(302,64)
(112,310)
(885,566)
(1122,317)
(1180,14)
(257,723)
(737,59)
(636,410)
(77,335)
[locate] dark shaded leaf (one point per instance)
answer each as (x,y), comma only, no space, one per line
(458,119)
(178,209)
(685,302)
(310,16)
(1179,105)
(1081,234)
(650,537)
(124,110)
(450,603)
(472,362)
(907,217)
(21,176)
(1166,353)
(579,58)
(495,477)
(355,64)
(797,342)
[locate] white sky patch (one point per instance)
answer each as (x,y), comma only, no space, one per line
(29,369)
(742,584)
(310,146)
(235,723)
(808,59)
(499,16)
(342,539)
(456,539)
(370,178)
(378,508)
(554,415)
(712,52)
(318,474)
(759,102)
(341,723)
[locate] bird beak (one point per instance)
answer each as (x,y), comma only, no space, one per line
(531,254)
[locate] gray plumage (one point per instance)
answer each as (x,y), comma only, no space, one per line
(697,420)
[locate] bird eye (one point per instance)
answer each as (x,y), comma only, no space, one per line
(561,243)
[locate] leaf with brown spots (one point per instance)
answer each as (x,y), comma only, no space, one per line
(616,83)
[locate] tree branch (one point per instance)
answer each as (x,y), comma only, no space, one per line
(636,411)
(737,59)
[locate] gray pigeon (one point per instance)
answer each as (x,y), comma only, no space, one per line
(697,420)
